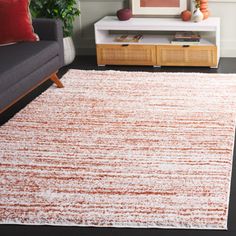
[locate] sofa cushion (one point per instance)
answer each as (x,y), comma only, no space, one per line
(21,59)
(15,22)
(27,83)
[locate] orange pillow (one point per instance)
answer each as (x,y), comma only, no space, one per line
(15,22)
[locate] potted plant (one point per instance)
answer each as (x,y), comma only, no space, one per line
(66,11)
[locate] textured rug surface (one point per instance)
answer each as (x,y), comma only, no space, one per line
(122,149)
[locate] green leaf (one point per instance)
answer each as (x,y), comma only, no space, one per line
(66,10)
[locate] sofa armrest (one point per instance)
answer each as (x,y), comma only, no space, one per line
(50,29)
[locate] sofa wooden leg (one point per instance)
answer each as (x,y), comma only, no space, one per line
(55,79)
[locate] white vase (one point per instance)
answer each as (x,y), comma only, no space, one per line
(197,15)
(69,50)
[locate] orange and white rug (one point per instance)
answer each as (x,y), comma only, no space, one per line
(122,149)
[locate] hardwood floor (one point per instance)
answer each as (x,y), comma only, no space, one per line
(227,65)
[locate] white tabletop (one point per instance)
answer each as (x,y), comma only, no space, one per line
(166,24)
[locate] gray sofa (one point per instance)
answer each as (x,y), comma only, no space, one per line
(26,65)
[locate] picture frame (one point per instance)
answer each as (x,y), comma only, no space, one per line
(158,7)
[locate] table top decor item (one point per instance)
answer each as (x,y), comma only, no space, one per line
(124,14)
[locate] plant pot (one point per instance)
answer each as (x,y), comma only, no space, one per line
(69,50)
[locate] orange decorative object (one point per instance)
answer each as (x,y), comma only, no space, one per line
(186,15)
(204,8)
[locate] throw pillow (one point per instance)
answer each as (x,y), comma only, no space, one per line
(15,22)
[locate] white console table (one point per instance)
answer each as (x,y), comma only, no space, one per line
(155,48)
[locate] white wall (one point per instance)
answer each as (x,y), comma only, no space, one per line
(226,10)
(93,10)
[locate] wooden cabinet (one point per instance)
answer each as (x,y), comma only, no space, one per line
(162,55)
(126,54)
(173,55)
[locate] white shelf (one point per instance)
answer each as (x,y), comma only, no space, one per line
(150,40)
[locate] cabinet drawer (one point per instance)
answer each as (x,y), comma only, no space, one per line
(175,55)
(126,54)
